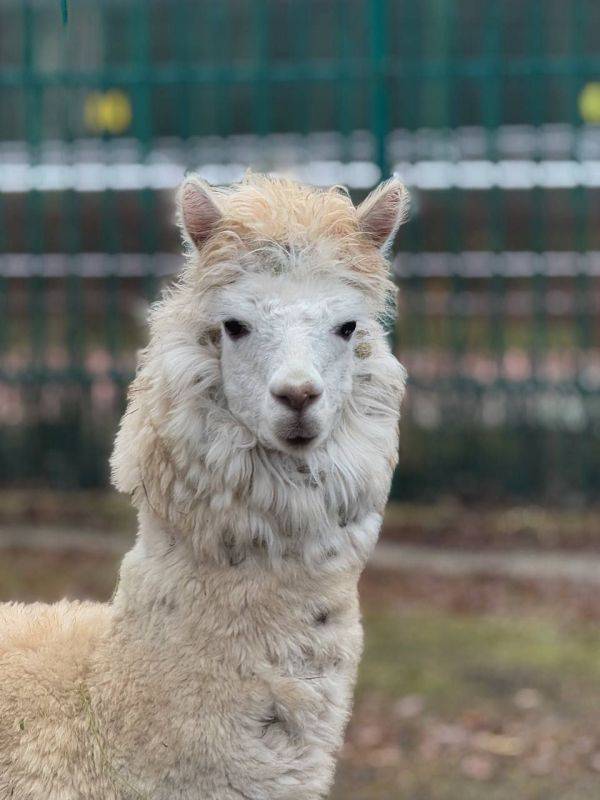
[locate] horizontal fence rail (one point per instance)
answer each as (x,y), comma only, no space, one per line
(490,112)
(552,157)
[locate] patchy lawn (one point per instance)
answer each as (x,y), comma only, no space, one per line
(454,706)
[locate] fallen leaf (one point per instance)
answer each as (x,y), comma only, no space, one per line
(498,744)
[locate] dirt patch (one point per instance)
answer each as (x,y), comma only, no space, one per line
(451,524)
(28,576)
(100,510)
(564,601)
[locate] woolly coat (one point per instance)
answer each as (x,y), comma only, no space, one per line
(224,666)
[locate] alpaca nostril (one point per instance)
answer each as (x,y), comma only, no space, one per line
(297,397)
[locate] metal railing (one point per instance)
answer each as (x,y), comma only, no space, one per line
(489,111)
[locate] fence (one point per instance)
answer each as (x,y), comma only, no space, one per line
(488,110)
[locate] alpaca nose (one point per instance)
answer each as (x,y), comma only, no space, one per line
(297,396)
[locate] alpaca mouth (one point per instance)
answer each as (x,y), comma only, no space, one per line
(299,441)
(299,435)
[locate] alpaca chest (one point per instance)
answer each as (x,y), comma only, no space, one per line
(265,685)
(292,655)
(239,681)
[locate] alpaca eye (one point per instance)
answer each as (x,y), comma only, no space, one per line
(235,328)
(347,329)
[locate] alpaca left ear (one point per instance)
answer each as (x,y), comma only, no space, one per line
(198,214)
(383,211)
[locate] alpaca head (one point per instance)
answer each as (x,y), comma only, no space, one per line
(292,322)
(271,340)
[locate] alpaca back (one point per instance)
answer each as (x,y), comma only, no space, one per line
(45,652)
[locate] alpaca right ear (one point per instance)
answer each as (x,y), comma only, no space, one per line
(382,213)
(198,215)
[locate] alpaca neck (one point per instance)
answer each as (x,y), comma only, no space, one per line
(167,599)
(269,650)
(157,576)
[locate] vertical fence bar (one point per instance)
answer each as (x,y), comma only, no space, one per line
(76,450)
(491,118)
(379,13)
(453,195)
(219,51)
(538,86)
(547,442)
(34,205)
(32,376)
(262,115)
(583,287)
(343,94)
(110,217)
(579,193)
(5,322)
(415,321)
(141,19)
(72,222)
(304,89)
(222,56)
(182,33)
(4,305)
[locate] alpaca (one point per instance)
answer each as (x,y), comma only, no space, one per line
(258,446)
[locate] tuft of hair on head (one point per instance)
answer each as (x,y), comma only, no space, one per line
(197,212)
(383,211)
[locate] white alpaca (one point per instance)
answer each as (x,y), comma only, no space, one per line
(258,446)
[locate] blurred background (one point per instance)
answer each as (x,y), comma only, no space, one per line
(482,670)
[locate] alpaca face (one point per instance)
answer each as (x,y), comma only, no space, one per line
(287,355)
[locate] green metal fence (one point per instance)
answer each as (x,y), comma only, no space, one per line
(489,110)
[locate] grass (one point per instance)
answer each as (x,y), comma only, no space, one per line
(450,659)
(434,783)
(471,706)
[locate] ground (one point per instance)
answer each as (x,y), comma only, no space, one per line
(478,687)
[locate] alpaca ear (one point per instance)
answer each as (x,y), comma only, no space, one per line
(198,215)
(383,211)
